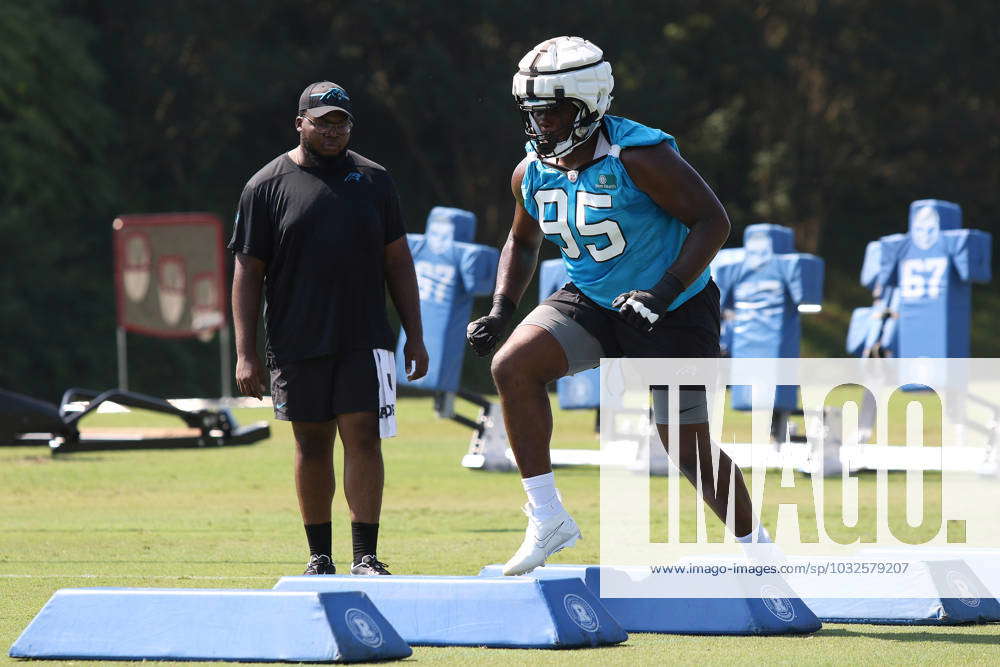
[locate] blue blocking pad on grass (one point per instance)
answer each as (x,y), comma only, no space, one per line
(475,611)
(193,624)
(904,611)
(770,609)
(984,562)
(941,592)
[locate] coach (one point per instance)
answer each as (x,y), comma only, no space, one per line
(320,229)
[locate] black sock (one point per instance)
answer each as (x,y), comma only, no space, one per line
(365,538)
(320,536)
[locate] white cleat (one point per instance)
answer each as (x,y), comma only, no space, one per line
(763,553)
(542,538)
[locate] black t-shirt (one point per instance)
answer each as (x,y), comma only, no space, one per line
(322,232)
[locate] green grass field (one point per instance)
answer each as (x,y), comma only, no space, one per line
(228,518)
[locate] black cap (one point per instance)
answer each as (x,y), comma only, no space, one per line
(323,97)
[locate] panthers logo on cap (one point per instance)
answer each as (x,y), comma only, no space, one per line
(333,97)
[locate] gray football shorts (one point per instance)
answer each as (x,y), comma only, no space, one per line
(583,351)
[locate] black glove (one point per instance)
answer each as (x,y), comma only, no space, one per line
(484,334)
(644,308)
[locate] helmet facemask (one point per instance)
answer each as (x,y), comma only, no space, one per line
(547,144)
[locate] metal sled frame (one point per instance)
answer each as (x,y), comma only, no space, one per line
(216,427)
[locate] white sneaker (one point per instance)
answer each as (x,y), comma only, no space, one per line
(542,538)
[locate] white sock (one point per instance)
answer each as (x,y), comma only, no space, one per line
(761,533)
(762,551)
(542,495)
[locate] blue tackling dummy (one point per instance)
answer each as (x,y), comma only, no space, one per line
(874,330)
(922,281)
(451,271)
(764,289)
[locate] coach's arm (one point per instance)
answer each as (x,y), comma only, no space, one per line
(248,279)
(401,277)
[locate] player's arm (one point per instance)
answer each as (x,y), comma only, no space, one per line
(519,256)
(401,278)
(678,189)
(518,260)
(248,278)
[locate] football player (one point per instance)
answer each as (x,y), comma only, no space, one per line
(637,227)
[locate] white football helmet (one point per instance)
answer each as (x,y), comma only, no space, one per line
(563,68)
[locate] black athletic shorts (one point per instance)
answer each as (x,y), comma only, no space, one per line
(319,389)
(692,330)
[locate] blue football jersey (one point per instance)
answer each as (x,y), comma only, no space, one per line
(614,237)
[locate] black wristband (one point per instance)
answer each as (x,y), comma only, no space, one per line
(503,307)
(668,289)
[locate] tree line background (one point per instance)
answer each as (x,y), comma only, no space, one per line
(829,116)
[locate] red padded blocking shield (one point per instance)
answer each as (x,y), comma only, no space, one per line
(169,274)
